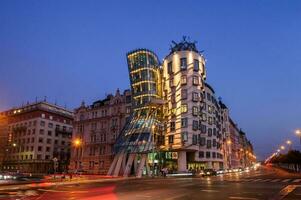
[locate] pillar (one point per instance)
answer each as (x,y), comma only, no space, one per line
(182,161)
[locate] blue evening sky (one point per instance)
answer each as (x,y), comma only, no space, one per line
(71,51)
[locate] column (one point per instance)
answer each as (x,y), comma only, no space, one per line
(182,161)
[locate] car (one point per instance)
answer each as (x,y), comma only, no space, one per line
(209,172)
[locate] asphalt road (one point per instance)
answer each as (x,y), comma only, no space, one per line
(264,183)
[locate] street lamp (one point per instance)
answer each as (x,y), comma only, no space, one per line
(289,143)
(77,144)
(282,147)
(298,132)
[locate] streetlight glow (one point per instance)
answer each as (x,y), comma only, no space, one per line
(282,147)
(77,142)
(288,142)
(298,132)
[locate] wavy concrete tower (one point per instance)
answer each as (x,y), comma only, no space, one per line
(141,136)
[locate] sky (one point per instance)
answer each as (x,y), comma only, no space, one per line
(71,51)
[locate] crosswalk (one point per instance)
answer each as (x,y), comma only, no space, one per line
(267,180)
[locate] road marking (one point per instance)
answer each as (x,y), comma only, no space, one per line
(297,181)
(284,192)
(243,198)
(257,180)
(209,190)
(266,180)
(275,180)
(286,180)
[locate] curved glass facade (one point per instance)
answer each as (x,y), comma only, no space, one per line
(144,72)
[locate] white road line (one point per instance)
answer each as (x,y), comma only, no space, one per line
(297,181)
(243,198)
(257,180)
(286,180)
(275,180)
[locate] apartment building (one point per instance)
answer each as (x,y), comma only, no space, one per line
(96,128)
(38,138)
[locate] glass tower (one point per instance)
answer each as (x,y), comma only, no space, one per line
(140,133)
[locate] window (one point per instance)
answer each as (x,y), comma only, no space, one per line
(39,148)
(50,125)
(170,139)
(184,108)
(204,117)
(172,126)
(195,125)
(184,94)
(49,133)
(214,143)
(184,136)
(184,122)
(40,140)
(195,80)
(42,123)
(208,97)
(48,141)
(195,111)
(210,109)
(169,68)
(39,157)
(214,131)
(195,96)
(203,128)
(41,131)
(202,141)
(183,63)
(201,154)
(208,154)
(47,149)
(209,132)
(213,155)
(196,65)
(210,120)
(183,80)
(43,115)
(194,139)
(208,144)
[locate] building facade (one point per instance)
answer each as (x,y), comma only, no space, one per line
(189,131)
(96,128)
(38,138)
(3,137)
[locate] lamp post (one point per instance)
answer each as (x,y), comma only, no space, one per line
(77,144)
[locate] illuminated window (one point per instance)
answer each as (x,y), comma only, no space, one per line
(195,96)
(183,63)
(195,110)
(184,108)
(184,94)
(195,80)
(169,68)
(196,65)
(204,117)
(183,80)
(209,109)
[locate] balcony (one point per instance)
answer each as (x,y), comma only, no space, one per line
(63,131)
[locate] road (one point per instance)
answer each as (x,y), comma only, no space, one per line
(265,183)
